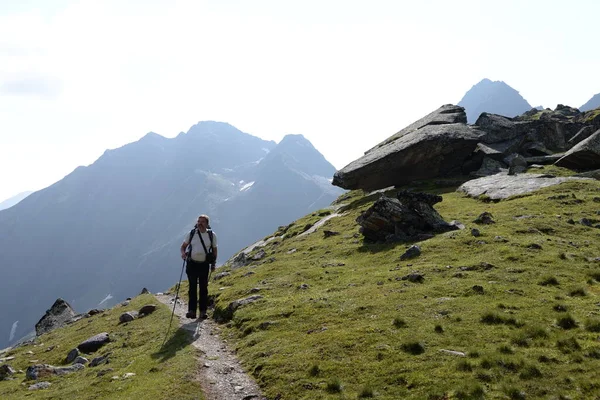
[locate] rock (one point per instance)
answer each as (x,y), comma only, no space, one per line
(583,134)
(484,218)
(37,371)
(414,277)
(100,360)
(327,233)
(409,217)
(128,316)
(453,352)
(147,309)
(57,316)
(584,155)
(234,305)
(145,291)
(437,145)
(259,255)
(81,360)
(94,343)
(6,372)
(94,311)
(39,385)
(516,164)
(73,354)
(475,232)
(412,252)
(502,186)
(489,166)
(221,275)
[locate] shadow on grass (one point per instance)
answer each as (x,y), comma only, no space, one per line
(182,337)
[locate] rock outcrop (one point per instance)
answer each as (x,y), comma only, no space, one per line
(440,144)
(57,316)
(408,217)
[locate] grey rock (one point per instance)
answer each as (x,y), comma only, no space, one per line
(221,275)
(73,354)
(39,385)
(584,155)
(81,360)
(100,360)
(408,217)
(57,316)
(128,316)
(516,164)
(412,252)
(94,343)
(501,186)
(434,146)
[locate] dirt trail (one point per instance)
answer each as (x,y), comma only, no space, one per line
(219,371)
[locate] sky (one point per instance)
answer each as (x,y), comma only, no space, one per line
(80,77)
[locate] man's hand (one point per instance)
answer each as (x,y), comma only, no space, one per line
(183,256)
(212,267)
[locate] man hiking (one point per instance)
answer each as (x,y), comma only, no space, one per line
(200,249)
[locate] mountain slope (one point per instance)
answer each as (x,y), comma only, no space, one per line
(494,97)
(592,103)
(115,226)
(13,200)
(508,312)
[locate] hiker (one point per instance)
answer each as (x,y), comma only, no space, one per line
(201,256)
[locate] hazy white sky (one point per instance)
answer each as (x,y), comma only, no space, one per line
(80,77)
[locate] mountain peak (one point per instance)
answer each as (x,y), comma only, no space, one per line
(592,103)
(494,97)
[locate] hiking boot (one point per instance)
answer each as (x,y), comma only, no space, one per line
(203,315)
(191,315)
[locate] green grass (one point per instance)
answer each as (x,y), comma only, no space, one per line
(358,330)
(135,347)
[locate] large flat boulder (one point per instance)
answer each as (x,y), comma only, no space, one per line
(502,186)
(428,148)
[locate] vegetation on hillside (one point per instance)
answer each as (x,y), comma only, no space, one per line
(512,313)
(167,372)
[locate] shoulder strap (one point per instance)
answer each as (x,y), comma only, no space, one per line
(190,241)
(210,235)
(203,245)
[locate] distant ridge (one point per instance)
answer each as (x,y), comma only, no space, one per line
(14,200)
(494,97)
(592,103)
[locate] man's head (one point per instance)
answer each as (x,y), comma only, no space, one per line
(203,222)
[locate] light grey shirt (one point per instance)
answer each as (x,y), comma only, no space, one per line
(197,249)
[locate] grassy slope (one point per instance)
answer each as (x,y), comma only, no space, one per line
(358,330)
(135,347)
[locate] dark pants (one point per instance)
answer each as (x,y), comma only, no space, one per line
(197,273)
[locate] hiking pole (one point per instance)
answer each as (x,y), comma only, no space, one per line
(174,303)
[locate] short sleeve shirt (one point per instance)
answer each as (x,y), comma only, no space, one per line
(198,253)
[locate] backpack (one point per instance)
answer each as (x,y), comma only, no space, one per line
(210,256)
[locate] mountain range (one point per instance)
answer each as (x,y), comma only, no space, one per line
(115,226)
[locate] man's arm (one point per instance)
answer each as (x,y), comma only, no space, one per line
(216,253)
(184,246)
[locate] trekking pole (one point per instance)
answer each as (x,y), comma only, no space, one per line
(174,303)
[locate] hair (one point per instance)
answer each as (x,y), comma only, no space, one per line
(205,217)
